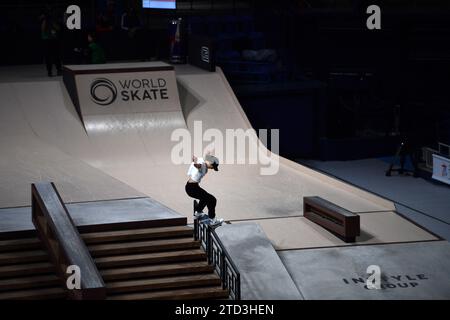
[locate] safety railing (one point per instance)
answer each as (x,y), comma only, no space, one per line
(219,258)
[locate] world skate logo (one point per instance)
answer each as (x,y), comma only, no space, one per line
(103,92)
(205,54)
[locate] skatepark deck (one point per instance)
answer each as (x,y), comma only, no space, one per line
(376,228)
(128,155)
(97,214)
(263,275)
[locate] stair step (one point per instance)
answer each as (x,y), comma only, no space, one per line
(183,294)
(34,294)
(211,279)
(18,270)
(29,282)
(17,257)
(142,246)
(150,258)
(20,244)
(156,270)
(137,234)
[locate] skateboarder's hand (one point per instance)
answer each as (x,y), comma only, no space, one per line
(194,159)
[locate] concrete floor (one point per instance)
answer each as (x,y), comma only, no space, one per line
(425,202)
(416,270)
(409,271)
(376,228)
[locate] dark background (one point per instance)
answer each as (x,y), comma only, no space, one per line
(335,89)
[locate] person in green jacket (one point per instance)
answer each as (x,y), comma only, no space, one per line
(96,53)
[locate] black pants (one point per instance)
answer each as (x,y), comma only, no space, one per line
(52,55)
(206,200)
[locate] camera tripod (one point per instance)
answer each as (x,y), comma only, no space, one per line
(404,150)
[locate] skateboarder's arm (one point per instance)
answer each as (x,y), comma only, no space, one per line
(197,165)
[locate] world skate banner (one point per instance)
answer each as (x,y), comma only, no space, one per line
(118,89)
(441,168)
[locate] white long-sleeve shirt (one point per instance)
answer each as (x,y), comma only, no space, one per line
(195,173)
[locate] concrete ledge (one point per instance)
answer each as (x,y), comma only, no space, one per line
(263,275)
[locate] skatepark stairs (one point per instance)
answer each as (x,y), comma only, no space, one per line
(157,259)
(143,263)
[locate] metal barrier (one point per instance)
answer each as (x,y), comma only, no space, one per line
(219,258)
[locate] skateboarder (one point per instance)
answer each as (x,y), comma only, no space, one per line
(198,169)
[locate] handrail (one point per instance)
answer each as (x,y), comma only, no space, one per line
(219,257)
(63,242)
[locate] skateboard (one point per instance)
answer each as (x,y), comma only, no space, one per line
(206,220)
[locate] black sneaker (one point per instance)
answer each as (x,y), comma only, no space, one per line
(201,216)
(197,213)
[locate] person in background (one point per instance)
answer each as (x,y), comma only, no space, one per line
(104,23)
(131,26)
(130,22)
(50,35)
(95,51)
